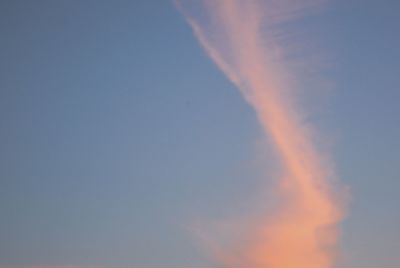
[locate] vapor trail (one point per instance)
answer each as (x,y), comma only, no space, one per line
(244,38)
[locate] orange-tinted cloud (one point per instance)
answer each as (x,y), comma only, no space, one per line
(244,38)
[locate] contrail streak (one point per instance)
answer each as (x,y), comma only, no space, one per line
(243,38)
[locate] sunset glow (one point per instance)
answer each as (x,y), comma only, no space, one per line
(241,38)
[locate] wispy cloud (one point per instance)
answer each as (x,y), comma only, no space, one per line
(249,40)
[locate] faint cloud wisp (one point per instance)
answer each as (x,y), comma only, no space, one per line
(247,39)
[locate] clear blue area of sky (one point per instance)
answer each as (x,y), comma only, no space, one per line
(117,131)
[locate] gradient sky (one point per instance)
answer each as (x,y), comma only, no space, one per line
(117,133)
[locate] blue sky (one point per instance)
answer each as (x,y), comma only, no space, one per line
(118,132)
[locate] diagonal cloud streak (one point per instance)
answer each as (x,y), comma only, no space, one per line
(244,39)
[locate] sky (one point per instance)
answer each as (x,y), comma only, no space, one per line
(118,133)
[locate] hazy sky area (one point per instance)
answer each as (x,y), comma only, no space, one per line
(118,132)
